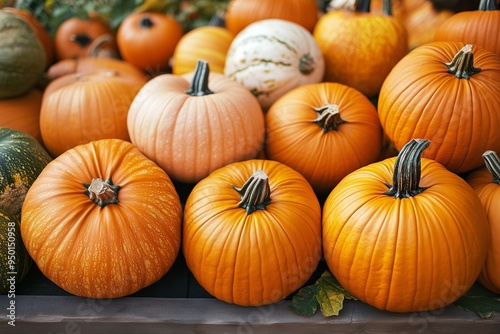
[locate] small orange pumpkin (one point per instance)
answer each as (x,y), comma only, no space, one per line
(252,232)
(102,220)
(486,182)
(479,27)
(210,43)
(23,113)
(324,131)
(405,234)
(195,123)
(83,107)
(148,39)
(360,47)
(76,36)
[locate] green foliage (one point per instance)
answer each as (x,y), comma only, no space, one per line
(190,13)
(326,292)
(479,300)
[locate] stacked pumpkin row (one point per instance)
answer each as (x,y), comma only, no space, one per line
(288,121)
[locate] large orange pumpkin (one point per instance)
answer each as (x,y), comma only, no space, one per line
(102,220)
(479,27)
(360,47)
(486,182)
(252,232)
(194,123)
(324,131)
(81,107)
(23,113)
(405,234)
(446,92)
(241,13)
(148,40)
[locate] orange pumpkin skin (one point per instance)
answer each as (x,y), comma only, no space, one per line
(257,258)
(79,108)
(209,43)
(39,29)
(421,99)
(189,136)
(478,27)
(481,181)
(410,254)
(105,252)
(324,146)
(360,48)
(241,13)
(75,36)
(23,113)
(148,40)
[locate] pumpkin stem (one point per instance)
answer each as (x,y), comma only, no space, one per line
(95,48)
(487,5)
(462,64)
(102,192)
(407,170)
(492,163)
(329,117)
(199,83)
(362,6)
(255,192)
(387,7)
(83,40)
(146,22)
(306,64)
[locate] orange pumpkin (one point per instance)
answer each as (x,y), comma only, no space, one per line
(148,40)
(479,27)
(324,131)
(210,43)
(76,36)
(251,232)
(448,93)
(102,220)
(195,123)
(40,30)
(23,113)
(360,47)
(486,182)
(405,234)
(241,13)
(79,108)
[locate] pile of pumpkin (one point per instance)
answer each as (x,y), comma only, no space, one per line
(302,135)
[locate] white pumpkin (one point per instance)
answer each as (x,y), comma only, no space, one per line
(272,56)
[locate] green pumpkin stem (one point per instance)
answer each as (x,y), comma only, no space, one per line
(407,170)
(362,6)
(306,64)
(492,163)
(462,64)
(328,117)
(487,5)
(102,192)
(255,192)
(199,83)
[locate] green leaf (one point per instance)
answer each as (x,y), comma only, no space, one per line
(331,295)
(304,302)
(479,300)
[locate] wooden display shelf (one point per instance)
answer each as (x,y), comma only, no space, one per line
(178,304)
